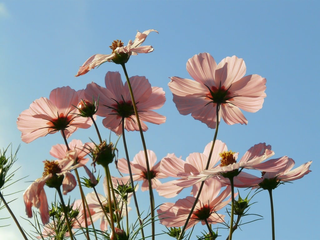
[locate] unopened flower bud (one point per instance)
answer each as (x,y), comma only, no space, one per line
(87,108)
(104,154)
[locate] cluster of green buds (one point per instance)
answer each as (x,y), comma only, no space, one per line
(124,190)
(208,236)
(175,232)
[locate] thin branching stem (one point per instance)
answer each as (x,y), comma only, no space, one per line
(131,179)
(152,208)
(83,198)
(207,166)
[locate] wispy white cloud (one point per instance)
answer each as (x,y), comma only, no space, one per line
(4,13)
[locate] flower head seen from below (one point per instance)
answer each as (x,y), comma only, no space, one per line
(120,53)
(139,170)
(47,116)
(230,168)
(116,106)
(272,179)
(220,85)
(175,215)
(56,173)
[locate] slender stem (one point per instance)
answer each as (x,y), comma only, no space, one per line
(101,205)
(131,179)
(110,203)
(232,208)
(13,216)
(209,228)
(97,129)
(152,208)
(115,203)
(207,166)
(80,188)
(65,213)
(83,198)
(272,215)
(235,225)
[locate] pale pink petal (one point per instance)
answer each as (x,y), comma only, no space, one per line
(69,183)
(184,87)
(297,173)
(114,84)
(93,62)
(232,114)
(172,165)
(230,70)
(169,189)
(201,68)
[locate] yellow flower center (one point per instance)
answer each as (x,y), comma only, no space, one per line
(227,158)
(51,167)
(115,44)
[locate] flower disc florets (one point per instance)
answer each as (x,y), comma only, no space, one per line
(120,57)
(52,167)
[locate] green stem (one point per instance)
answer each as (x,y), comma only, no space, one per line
(235,225)
(115,203)
(80,188)
(232,208)
(110,202)
(101,205)
(145,152)
(97,129)
(65,213)
(83,198)
(207,166)
(209,228)
(131,179)
(272,215)
(13,216)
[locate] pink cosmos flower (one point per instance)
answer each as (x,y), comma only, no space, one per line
(118,51)
(195,163)
(139,170)
(35,194)
(222,85)
(79,152)
(229,165)
(115,102)
(96,211)
(272,178)
(47,116)
(175,215)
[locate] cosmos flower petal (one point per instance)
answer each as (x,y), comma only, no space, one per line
(94,61)
(201,68)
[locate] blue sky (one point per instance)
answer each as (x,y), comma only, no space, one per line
(43,43)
